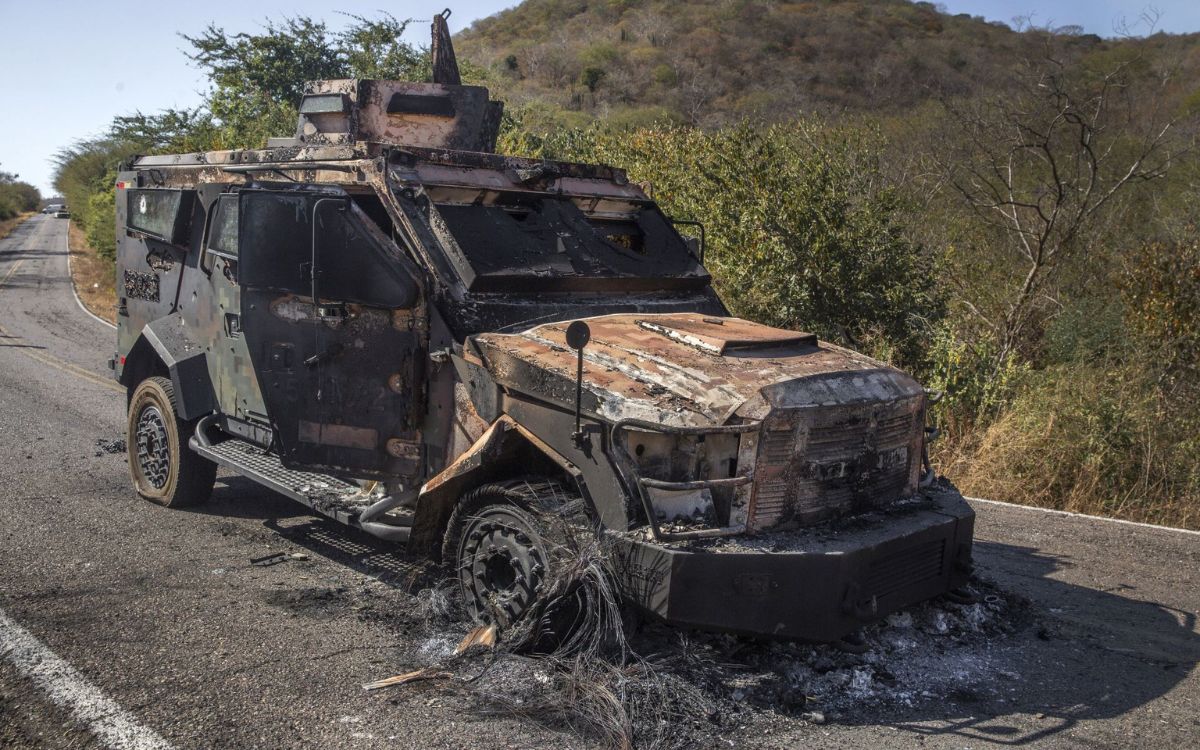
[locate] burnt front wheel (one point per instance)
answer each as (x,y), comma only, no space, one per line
(505,543)
(163,468)
(502,560)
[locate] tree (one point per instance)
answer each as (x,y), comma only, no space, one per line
(1042,169)
(16,196)
(257,79)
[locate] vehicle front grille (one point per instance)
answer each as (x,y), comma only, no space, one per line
(816,463)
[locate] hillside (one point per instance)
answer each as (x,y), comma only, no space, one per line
(709,62)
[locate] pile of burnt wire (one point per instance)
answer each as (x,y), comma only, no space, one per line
(567,662)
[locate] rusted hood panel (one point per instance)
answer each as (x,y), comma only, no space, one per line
(669,368)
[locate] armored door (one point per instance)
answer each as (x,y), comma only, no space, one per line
(334,318)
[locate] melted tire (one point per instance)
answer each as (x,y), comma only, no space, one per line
(502,552)
(163,468)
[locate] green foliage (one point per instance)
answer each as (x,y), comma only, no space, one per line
(961,368)
(172,130)
(85,176)
(591,77)
(373,48)
(1162,296)
(800,233)
(665,75)
(99,219)
(16,196)
(257,79)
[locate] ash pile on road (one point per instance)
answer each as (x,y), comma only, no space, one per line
(931,652)
(658,687)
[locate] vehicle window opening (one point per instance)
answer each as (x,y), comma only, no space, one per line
(547,243)
(223,231)
(626,235)
(162,214)
(352,263)
(374,208)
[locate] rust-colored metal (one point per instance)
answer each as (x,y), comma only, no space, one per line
(840,431)
(635,372)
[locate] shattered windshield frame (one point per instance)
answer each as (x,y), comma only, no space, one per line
(540,242)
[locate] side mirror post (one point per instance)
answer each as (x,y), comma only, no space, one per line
(578,335)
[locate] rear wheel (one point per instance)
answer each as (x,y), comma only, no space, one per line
(163,468)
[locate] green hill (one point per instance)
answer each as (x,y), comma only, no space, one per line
(709,62)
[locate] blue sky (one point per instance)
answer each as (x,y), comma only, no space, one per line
(69,67)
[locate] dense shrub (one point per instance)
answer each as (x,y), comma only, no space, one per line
(1103,440)
(800,231)
(16,196)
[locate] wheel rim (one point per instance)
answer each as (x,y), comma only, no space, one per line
(153,448)
(501,565)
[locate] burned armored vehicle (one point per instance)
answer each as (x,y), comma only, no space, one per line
(383,319)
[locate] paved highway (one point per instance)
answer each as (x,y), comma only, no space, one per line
(125,625)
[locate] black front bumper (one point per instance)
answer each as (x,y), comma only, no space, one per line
(816,584)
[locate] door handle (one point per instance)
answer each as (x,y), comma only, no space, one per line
(324,356)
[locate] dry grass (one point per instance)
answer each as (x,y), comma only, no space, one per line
(94,277)
(8,225)
(1086,440)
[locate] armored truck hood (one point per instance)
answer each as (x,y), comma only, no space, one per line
(688,369)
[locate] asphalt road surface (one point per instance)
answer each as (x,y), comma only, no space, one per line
(125,625)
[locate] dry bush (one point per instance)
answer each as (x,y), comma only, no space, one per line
(1088,439)
(94,276)
(567,663)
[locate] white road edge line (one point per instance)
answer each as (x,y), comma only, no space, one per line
(113,726)
(1084,515)
(71,282)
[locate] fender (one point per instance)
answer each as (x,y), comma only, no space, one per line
(500,445)
(168,339)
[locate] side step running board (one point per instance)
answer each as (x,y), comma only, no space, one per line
(329,496)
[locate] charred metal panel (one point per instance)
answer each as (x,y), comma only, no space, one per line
(402,113)
(342,370)
(481,388)
(483,461)
(818,462)
(149,270)
(504,445)
(611,502)
(633,372)
(840,432)
(719,335)
(819,584)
